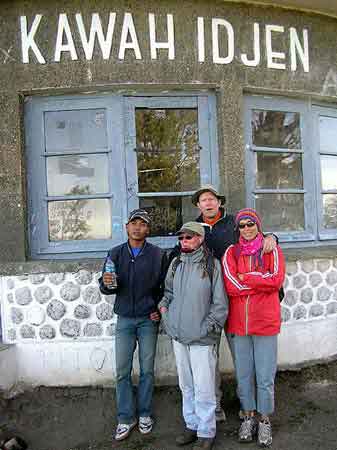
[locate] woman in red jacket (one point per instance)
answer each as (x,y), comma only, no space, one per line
(252,281)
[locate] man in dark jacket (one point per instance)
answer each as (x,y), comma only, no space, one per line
(140,271)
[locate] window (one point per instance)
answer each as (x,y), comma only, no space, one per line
(91,160)
(291,166)
(325,120)
(169,143)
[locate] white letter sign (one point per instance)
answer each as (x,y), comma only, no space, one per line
(27,39)
(154,45)
(63,27)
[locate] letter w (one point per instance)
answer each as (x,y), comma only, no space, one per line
(96,29)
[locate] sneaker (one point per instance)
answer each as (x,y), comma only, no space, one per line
(123,430)
(186,437)
(220,415)
(145,424)
(203,444)
(247,429)
(264,436)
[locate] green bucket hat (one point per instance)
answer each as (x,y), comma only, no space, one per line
(207,188)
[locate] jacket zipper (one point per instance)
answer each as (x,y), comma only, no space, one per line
(133,269)
(248,297)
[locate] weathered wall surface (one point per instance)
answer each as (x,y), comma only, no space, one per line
(187,69)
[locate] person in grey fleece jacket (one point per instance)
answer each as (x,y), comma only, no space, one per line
(194,309)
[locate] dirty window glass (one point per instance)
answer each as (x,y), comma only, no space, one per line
(281,212)
(168,213)
(276,129)
(75,130)
(279,170)
(79,219)
(168,158)
(330,211)
(77,174)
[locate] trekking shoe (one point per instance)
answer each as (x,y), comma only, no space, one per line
(203,444)
(264,435)
(123,430)
(145,424)
(247,429)
(187,437)
(220,415)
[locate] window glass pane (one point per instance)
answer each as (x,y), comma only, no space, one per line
(79,219)
(329,172)
(75,130)
(276,129)
(167,150)
(330,210)
(77,174)
(279,170)
(281,212)
(328,133)
(168,213)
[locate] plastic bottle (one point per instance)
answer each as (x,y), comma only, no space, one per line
(111,268)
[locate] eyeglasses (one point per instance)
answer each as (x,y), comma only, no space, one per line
(187,238)
(248,224)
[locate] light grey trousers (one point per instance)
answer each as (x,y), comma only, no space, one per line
(255,367)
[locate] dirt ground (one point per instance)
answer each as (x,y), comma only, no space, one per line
(83,418)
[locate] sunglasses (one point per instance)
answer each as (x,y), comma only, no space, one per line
(187,238)
(248,224)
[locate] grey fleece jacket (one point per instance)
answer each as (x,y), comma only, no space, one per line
(197,310)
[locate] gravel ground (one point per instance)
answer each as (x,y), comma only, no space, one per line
(83,418)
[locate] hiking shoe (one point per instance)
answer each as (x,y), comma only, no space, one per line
(145,424)
(264,436)
(247,429)
(123,430)
(186,437)
(220,415)
(203,444)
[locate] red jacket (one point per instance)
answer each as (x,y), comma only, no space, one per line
(254,305)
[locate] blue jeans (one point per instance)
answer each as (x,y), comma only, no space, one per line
(129,331)
(255,368)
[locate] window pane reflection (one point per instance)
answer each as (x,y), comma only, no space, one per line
(281,212)
(279,170)
(79,219)
(276,129)
(74,130)
(77,174)
(328,133)
(330,211)
(329,172)
(168,213)
(167,150)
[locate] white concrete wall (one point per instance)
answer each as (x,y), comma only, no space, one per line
(81,363)
(61,329)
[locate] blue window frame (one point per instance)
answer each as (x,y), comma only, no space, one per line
(89,157)
(291,162)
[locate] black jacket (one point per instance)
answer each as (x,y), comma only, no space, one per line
(219,238)
(140,280)
(222,235)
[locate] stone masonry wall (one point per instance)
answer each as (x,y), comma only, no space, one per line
(68,306)
(56,306)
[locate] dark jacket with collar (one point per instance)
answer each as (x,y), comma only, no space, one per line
(222,234)
(140,279)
